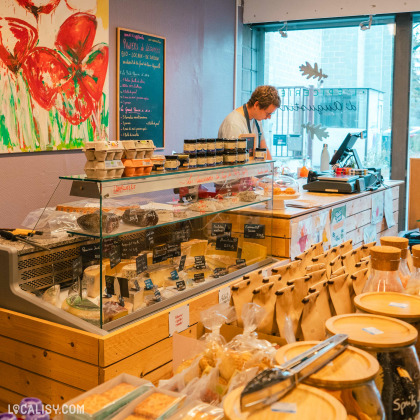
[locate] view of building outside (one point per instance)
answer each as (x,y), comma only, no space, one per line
(414,132)
(354,96)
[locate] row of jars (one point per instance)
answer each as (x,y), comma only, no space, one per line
(213,145)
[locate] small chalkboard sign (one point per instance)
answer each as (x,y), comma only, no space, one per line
(240,263)
(114,255)
(199,277)
(219,272)
(91,251)
(160,253)
(227,243)
(141,86)
(123,287)
(200,262)
(141,263)
(109,281)
(221,229)
(174,250)
(254,231)
(180,285)
(131,247)
(182,263)
(148,284)
(150,239)
(174,275)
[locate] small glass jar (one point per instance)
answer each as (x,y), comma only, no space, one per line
(219,157)
(241,143)
(190,146)
(413,285)
(184,160)
(220,145)
(241,156)
(231,144)
(391,342)
(193,161)
(229,157)
(211,158)
(201,145)
(211,145)
(201,159)
(260,153)
(384,276)
(171,163)
(400,243)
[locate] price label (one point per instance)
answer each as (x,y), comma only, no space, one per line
(131,247)
(136,285)
(91,252)
(182,263)
(150,239)
(398,305)
(200,262)
(174,275)
(199,277)
(121,301)
(109,281)
(227,243)
(372,330)
(183,234)
(114,255)
(179,319)
(160,253)
(219,272)
(240,263)
(221,229)
(224,295)
(180,285)
(123,282)
(254,231)
(148,284)
(141,263)
(174,250)
(77,267)
(158,296)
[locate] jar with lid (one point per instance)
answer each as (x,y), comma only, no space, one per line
(184,160)
(211,158)
(413,284)
(211,145)
(350,377)
(219,157)
(171,163)
(229,157)
(241,156)
(384,276)
(260,153)
(241,143)
(402,244)
(231,144)
(190,146)
(220,145)
(201,145)
(391,342)
(193,161)
(201,159)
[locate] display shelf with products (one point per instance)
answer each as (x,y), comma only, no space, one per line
(117,250)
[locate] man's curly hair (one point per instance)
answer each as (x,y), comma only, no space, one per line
(265,95)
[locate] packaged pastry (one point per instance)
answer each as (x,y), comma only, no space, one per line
(197,410)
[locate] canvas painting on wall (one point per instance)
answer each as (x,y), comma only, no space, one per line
(53,74)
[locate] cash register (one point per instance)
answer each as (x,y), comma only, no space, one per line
(344,179)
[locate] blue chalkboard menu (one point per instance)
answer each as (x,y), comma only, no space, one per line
(141,86)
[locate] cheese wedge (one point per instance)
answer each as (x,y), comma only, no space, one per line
(253,253)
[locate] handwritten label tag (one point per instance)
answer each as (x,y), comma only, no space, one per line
(148,284)
(399,305)
(200,262)
(160,253)
(224,295)
(219,272)
(131,247)
(114,255)
(182,263)
(284,407)
(240,263)
(174,250)
(121,301)
(109,281)
(141,263)
(150,239)
(136,285)
(254,231)
(199,277)
(158,296)
(372,330)
(91,251)
(227,243)
(221,229)
(179,319)
(180,285)
(174,275)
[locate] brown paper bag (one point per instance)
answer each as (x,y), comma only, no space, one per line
(346,246)
(255,277)
(339,272)
(315,267)
(305,257)
(265,297)
(364,250)
(241,293)
(289,271)
(317,276)
(317,249)
(334,265)
(349,260)
(286,324)
(359,279)
(300,290)
(339,290)
(363,263)
(313,327)
(324,303)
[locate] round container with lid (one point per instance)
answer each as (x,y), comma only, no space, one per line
(231,144)
(211,158)
(184,160)
(310,403)
(211,145)
(349,377)
(193,161)
(190,146)
(201,159)
(229,157)
(391,341)
(171,163)
(241,143)
(219,157)
(241,156)
(384,276)
(402,244)
(220,145)
(260,153)
(201,145)
(413,284)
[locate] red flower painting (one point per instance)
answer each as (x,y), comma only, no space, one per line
(39,6)
(17,39)
(73,77)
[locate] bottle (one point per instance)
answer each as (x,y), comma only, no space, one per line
(303,171)
(400,243)
(413,284)
(325,159)
(384,275)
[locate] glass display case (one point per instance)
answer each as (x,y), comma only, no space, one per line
(116,250)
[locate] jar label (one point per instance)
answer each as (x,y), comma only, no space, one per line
(372,330)
(283,407)
(398,305)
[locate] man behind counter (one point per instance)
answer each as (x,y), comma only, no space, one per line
(263,103)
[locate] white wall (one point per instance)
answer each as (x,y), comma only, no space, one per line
(257,11)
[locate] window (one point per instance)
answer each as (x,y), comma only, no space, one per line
(346,87)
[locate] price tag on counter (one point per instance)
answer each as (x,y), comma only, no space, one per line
(219,272)
(136,285)
(200,262)
(227,243)
(150,239)
(141,263)
(180,285)
(148,284)
(114,254)
(109,281)
(199,278)
(160,253)
(174,250)
(179,319)
(221,229)
(182,263)
(158,296)
(174,275)
(254,231)
(240,263)
(90,252)
(123,282)
(224,295)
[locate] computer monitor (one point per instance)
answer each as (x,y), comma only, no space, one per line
(346,149)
